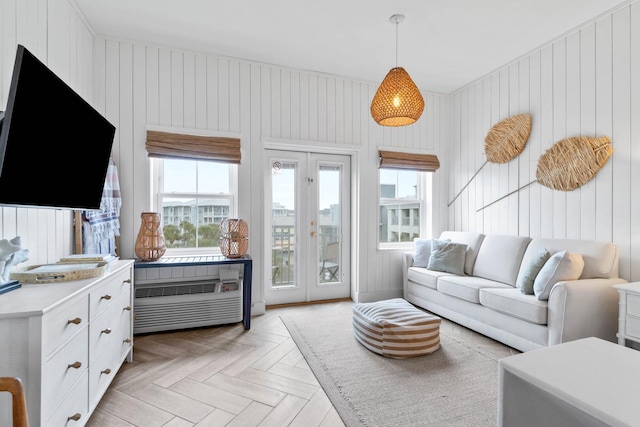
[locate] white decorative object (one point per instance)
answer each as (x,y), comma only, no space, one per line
(10,255)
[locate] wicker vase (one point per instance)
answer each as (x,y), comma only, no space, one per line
(150,244)
(234,238)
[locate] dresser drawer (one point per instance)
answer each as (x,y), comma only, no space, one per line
(64,322)
(104,295)
(104,331)
(74,409)
(633,304)
(633,327)
(64,368)
(101,372)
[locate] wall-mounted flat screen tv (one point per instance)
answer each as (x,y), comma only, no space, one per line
(54,146)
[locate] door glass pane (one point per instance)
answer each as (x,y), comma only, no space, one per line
(283,221)
(329,223)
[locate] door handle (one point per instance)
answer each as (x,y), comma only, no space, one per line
(313,234)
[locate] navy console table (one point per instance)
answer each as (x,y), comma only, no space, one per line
(170,261)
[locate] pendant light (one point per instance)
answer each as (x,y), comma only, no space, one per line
(397,102)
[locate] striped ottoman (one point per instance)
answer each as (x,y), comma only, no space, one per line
(395,328)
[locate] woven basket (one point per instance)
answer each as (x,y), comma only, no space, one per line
(572,162)
(61,272)
(506,139)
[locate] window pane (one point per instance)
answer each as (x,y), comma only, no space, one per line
(400,203)
(179,176)
(193,222)
(213,178)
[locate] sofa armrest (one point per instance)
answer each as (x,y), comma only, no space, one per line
(407,261)
(583,308)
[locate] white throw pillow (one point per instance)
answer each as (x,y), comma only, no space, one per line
(561,266)
(447,256)
(421,252)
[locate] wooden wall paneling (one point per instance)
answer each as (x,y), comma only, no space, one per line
(534,146)
(234,96)
(524,159)
(295,105)
(331,124)
(634,231)
(224,95)
(22,228)
(503,169)
(189,90)
(604,178)
(356,117)
(285,104)
(265,101)
(470,157)
(512,202)
(124,151)
(165,95)
(546,135)
(486,172)
(305,107)
(340,111)
(455,185)
(588,125)
(256,181)
(462,160)
(212,93)
(177,88)
(317,111)
(478,156)
(133,165)
(559,131)
(276,103)
(496,173)
(152,85)
(573,199)
(621,134)
(200,85)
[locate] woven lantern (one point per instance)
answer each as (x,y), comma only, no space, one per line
(397,102)
(234,238)
(150,245)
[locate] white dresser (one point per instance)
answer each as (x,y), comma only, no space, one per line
(66,341)
(629,313)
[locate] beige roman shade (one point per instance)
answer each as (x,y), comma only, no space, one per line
(411,161)
(193,147)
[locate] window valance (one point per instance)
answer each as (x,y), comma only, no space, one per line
(411,161)
(193,147)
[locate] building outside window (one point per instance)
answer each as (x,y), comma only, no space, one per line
(194,197)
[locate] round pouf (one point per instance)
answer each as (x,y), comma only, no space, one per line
(395,328)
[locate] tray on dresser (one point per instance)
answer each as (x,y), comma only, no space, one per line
(61,272)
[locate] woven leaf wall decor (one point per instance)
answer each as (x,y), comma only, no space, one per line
(572,162)
(506,139)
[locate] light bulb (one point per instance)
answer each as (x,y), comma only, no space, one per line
(396,101)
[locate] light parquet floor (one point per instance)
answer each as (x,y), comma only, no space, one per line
(226,376)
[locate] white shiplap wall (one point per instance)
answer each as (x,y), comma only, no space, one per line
(56,34)
(584,83)
(140,84)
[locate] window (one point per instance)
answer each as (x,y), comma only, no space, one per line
(405,190)
(402,200)
(194,197)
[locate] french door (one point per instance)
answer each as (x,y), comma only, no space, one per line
(308,232)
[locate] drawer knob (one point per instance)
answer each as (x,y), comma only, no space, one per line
(106,331)
(106,371)
(107,297)
(74,417)
(127,340)
(126,281)
(75,321)
(127,308)
(74,365)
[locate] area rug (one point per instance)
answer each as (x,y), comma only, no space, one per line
(454,386)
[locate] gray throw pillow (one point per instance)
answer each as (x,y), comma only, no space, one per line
(447,257)
(421,252)
(525,282)
(561,266)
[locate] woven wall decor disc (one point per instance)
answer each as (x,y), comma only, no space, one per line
(572,162)
(506,139)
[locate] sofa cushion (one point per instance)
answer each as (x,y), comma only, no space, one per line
(473,242)
(530,272)
(447,257)
(425,277)
(561,266)
(515,303)
(465,287)
(600,258)
(500,257)
(421,252)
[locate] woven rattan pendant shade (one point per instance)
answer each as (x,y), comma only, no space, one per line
(397,102)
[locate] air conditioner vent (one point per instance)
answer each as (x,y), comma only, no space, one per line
(174,290)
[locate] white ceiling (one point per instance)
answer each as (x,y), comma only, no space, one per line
(442,44)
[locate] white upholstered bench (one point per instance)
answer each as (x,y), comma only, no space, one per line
(395,328)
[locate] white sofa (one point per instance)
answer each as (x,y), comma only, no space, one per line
(486,299)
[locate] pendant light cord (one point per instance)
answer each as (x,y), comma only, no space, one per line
(397,44)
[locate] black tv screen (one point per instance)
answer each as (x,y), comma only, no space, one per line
(54,146)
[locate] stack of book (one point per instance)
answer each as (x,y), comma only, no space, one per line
(9,286)
(81,258)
